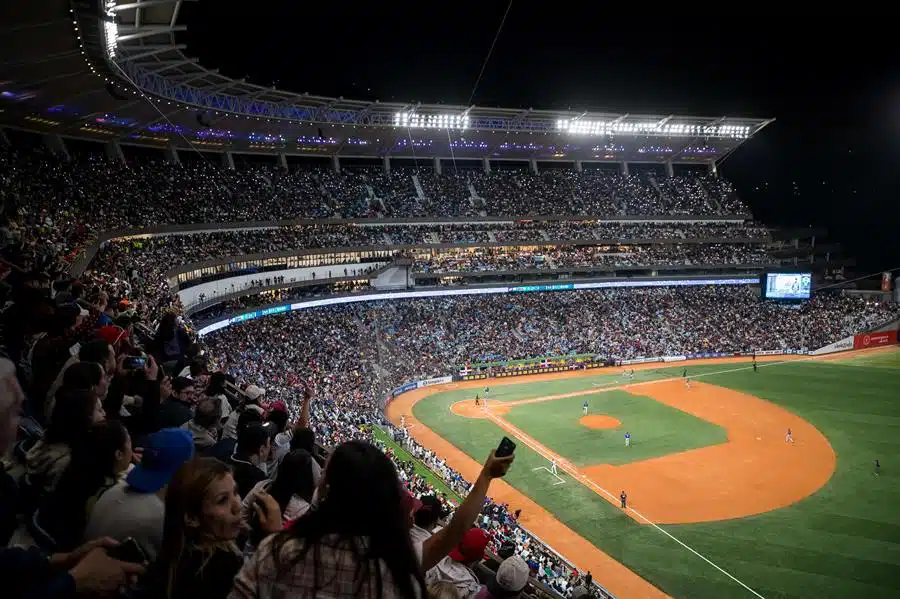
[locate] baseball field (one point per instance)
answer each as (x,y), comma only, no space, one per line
(720,502)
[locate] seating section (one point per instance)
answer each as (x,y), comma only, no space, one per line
(117,336)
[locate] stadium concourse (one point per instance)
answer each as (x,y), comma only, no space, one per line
(116,337)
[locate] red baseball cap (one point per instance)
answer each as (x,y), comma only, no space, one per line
(472,547)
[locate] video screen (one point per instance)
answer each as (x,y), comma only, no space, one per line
(787,286)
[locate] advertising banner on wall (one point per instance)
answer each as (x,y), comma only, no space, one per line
(842,345)
(437,381)
(875,339)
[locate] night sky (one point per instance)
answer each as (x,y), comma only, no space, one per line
(830,159)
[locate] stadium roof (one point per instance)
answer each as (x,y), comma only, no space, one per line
(116,70)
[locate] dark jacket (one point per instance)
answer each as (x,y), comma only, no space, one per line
(27,574)
(246,475)
(173,413)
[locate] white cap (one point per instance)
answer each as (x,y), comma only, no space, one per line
(254,392)
(513,573)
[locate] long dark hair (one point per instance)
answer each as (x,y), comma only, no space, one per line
(362,507)
(294,477)
(64,512)
(73,415)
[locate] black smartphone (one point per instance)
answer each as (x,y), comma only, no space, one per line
(506,448)
(134,362)
(128,551)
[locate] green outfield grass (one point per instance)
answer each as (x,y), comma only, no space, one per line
(844,541)
(656,429)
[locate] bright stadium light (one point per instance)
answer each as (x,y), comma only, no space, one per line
(415,120)
(110,29)
(579,126)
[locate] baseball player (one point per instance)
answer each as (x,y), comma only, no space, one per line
(627,439)
(755,366)
(877,468)
(623,498)
(402,421)
(584,407)
(553,466)
(789,437)
(477,400)
(687,382)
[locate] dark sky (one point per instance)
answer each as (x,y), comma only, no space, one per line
(832,157)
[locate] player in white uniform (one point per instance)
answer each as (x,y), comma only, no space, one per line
(627,439)
(553,466)
(584,407)
(789,437)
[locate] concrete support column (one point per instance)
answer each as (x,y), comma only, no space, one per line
(579,168)
(437,165)
(114,152)
(712,169)
(172,154)
(55,144)
(387,165)
(487,165)
(228,160)
(623,167)
(282,160)
(533,164)
(4,141)
(670,169)
(336,163)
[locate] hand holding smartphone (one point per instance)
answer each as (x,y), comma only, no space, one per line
(128,551)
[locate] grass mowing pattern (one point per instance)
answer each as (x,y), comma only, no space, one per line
(656,429)
(844,541)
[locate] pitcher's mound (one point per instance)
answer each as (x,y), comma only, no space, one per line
(599,421)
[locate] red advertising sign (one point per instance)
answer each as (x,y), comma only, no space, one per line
(875,339)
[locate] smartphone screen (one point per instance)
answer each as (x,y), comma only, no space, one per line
(134,362)
(506,448)
(128,551)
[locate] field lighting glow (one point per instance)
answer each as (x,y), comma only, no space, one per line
(589,127)
(414,120)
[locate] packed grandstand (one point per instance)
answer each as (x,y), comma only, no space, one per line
(173,318)
(355,354)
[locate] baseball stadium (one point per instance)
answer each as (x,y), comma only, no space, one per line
(493,352)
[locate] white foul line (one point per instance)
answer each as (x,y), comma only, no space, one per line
(573,472)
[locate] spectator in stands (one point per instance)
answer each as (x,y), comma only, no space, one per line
(253,396)
(250,455)
(74,414)
(355,543)
(204,425)
(134,507)
(97,463)
(509,581)
(28,572)
(456,568)
(199,557)
(178,409)
(292,488)
(170,343)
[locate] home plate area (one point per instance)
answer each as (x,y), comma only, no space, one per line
(559,479)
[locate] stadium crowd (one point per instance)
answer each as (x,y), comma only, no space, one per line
(99,195)
(150,463)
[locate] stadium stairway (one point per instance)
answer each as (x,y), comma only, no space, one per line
(394,276)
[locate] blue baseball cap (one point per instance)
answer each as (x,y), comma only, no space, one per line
(164,453)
